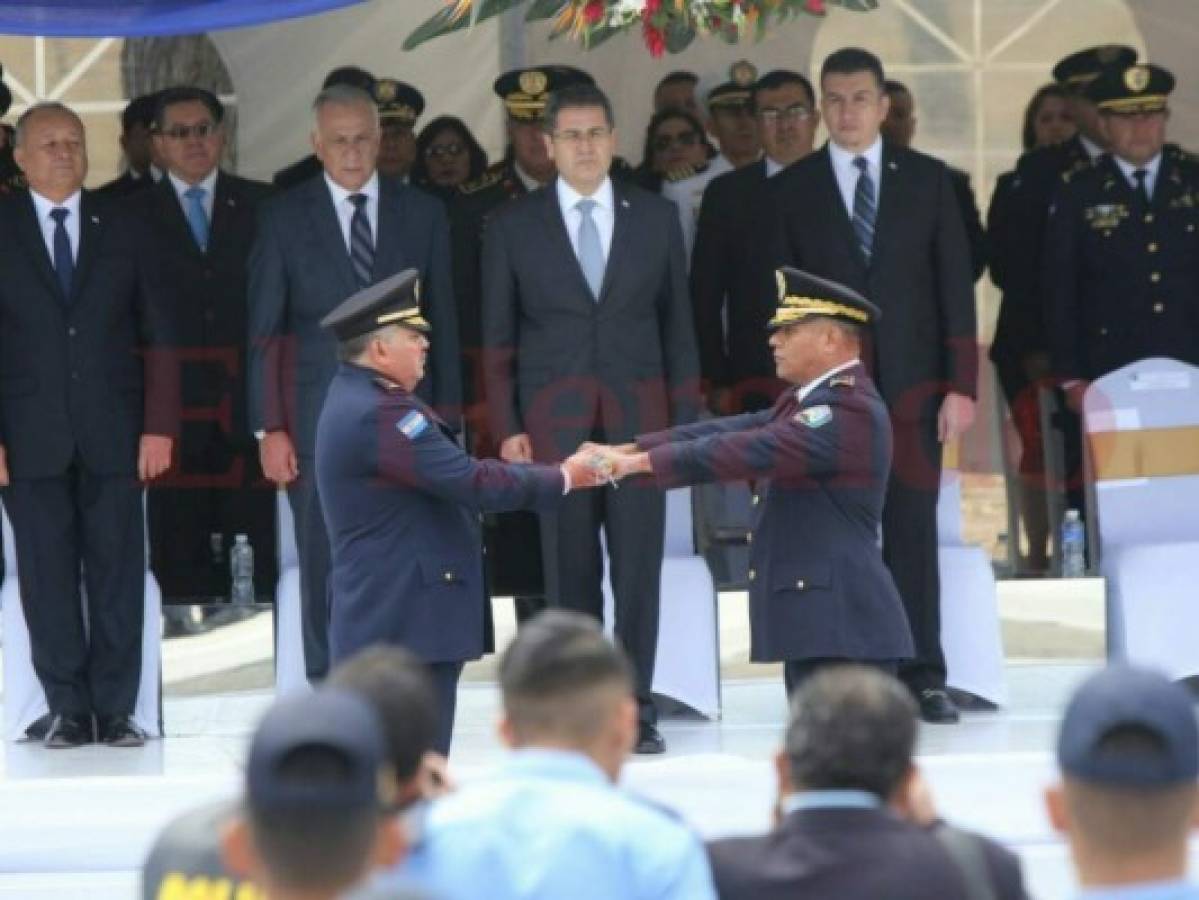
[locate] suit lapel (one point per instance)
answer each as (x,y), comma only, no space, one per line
(91,225)
(327,228)
(622,248)
(389,248)
(170,210)
(224,211)
(35,246)
(832,199)
(559,239)
(890,187)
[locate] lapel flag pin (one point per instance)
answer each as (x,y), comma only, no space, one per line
(893,166)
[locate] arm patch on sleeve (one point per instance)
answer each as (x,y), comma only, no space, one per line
(413,425)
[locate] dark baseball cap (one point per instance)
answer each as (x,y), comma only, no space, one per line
(1125,698)
(335,721)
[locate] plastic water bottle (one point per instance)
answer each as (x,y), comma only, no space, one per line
(241,566)
(1073,546)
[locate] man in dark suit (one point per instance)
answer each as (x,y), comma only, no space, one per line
(203,221)
(732,280)
(310,166)
(854,819)
(588,335)
(317,244)
(87,411)
(884,221)
(137,143)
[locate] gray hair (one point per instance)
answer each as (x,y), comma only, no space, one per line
(44,107)
(344,95)
(353,349)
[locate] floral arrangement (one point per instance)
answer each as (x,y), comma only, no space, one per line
(666,26)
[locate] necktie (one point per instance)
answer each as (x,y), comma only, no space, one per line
(1142,188)
(864,209)
(362,243)
(591,251)
(197,218)
(64,259)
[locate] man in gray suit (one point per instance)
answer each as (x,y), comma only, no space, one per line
(317,244)
(588,335)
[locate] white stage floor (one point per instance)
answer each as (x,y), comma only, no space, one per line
(77,823)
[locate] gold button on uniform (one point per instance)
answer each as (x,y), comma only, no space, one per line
(449,576)
(799,585)
(1159,307)
(749,537)
(756,499)
(1103,332)
(1152,248)
(1148,218)
(752,574)
(1155,277)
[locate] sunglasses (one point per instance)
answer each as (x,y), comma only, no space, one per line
(183,132)
(437,151)
(666,141)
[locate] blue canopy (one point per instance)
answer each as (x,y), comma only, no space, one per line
(142,18)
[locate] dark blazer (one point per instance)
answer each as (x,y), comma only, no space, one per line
(298,172)
(91,373)
(976,237)
(817,584)
(850,854)
(732,282)
(125,185)
(300,270)
(919,273)
(626,361)
(1121,283)
(402,501)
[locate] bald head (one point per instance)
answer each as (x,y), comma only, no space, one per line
(51,149)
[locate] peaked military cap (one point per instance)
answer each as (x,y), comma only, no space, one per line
(738,90)
(140,111)
(525,92)
(5,94)
(393,301)
(1079,69)
(1131,89)
(397,100)
(802,296)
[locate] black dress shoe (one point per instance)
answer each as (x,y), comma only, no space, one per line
(69,731)
(649,740)
(119,731)
(936,707)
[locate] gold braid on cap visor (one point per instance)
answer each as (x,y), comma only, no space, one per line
(796,308)
(1148,103)
(404,317)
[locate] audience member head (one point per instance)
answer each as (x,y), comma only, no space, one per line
(1078,70)
(50,147)
(816,326)
(1128,752)
(351,76)
(1047,118)
(677,91)
(900,125)
(1133,110)
(447,154)
(851,728)
(731,118)
(566,686)
(316,815)
(853,98)
(526,93)
(399,105)
(5,95)
(137,127)
(189,132)
(381,328)
(580,135)
(185,861)
(785,107)
(397,685)
(345,136)
(674,140)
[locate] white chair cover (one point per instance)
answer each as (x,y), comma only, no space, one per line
(290,673)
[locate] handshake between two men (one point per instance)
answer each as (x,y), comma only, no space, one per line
(593,465)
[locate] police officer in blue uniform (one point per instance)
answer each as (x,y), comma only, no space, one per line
(402,500)
(819,591)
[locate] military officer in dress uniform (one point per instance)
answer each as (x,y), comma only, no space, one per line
(1122,272)
(400,105)
(401,499)
(819,591)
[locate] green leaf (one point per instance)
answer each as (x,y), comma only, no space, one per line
(678,36)
(858,5)
(545,9)
(600,35)
(435,26)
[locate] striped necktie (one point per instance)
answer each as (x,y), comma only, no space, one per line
(864,208)
(362,242)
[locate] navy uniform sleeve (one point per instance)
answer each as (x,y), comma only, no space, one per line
(695,430)
(415,452)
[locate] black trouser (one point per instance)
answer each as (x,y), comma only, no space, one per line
(312,545)
(80,519)
(910,546)
(797,671)
(634,520)
(445,677)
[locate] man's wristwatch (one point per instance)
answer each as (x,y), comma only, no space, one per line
(259,434)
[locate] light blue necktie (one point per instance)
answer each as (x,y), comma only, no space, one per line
(197,218)
(864,208)
(591,251)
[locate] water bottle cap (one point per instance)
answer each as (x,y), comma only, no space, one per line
(241,538)
(1072,514)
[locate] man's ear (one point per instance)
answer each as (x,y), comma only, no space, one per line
(506,732)
(1055,808)
(391,844)
(549,144)
(782,768)
(237,847)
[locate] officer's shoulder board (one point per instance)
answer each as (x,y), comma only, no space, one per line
(681,173)
(841,381)
(492,176)
(413,424)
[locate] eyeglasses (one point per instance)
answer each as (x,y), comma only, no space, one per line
(437,151)
(577,138)
(182,132)
(664,142)
(798,112)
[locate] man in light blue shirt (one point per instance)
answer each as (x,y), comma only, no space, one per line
(550,822)
(1128,751)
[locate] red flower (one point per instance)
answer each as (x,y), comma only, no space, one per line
(816,7)
(652,7)
(593,11)
(653,39)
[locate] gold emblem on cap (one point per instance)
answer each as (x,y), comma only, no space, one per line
(1107,54)
(386,90)
(744,73)
(533,82)
(1136,78)
(781,280)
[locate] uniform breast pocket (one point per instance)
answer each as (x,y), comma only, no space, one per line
(801,577)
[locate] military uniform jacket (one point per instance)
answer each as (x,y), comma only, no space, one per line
(818,585)
(1122,279)
(402,502)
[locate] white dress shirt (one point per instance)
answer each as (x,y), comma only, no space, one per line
(1151,169)
(773,167)
(604,213)
(44,207)
(345,208)
(208,184)
(847,173)
(801,393)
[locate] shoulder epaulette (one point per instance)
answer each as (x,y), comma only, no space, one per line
(486,180)
(682,173)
